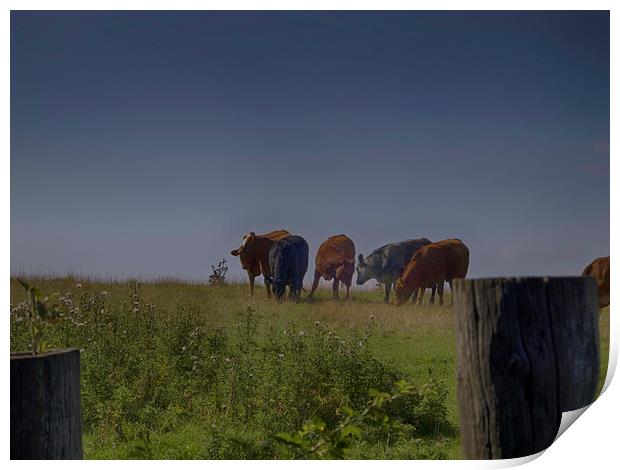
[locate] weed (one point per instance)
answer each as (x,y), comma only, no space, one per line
(218,274)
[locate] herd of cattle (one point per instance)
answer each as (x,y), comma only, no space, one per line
(409,266)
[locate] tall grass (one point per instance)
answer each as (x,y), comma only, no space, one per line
(185,370)
(171,370)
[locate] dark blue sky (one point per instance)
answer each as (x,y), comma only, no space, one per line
(146,143)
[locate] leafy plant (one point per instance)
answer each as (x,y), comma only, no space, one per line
(40,316)
(317,440)
(218,274)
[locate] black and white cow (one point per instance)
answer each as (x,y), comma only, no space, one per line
(288,259)
(386,264)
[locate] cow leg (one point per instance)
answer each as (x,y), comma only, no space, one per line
(421,293)
(440,292)
(296,287)
(251,278)
(268,287)
(348,286)
(300,287)
(335,289)
(291,292)
(433,290)
(451,292)
(388,286)
(315,284)
(421,296)
(418,295)
(266,272)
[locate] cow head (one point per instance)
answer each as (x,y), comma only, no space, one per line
(365,271)
(402,293)
(246,244)
(345,271)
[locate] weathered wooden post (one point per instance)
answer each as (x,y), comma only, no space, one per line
(527,350)
(45,405)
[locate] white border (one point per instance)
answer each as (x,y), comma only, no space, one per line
(590,443)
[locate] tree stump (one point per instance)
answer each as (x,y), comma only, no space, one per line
(527,350)
(45,405)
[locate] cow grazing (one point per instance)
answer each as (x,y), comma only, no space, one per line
(254,255)
(599,270)
(387,263)
(288,259)
(433,264)
(335,260)
(428,266)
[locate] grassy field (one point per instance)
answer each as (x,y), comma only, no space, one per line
(177,370)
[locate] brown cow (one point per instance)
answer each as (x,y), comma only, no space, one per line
(335,260)
(433,265)
(599,270)
(254,255)
(428,266)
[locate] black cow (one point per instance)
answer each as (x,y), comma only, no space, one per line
(386,264)
(288,259)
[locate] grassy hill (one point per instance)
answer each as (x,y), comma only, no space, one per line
(178,370)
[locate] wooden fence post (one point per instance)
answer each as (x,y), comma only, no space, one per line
(527,350)
(45,405)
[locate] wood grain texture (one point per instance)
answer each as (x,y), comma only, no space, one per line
(45,405)
(576,338)
(527,350)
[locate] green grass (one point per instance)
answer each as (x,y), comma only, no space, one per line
(143,400)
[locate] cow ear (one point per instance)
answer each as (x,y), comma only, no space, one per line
(360,258)
(252,234)
(235,252)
